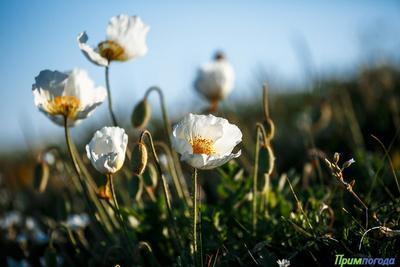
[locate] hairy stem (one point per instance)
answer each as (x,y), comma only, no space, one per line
(110,180)
(168,130)
(194,200)
(165,189)
(110,108)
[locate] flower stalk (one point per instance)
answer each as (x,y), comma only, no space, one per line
(164,186)
(110,107)
(117,210)
(168,130)
(194,215)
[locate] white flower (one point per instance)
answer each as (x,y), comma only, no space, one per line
(215,79)
(283,263)
(107,149)
(125,39)
(70,95)
(206,141)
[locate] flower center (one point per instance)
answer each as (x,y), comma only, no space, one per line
(64,105)
(202,145)
(112,51)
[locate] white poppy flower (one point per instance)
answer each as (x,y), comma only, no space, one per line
(107,149)
(283,263)
(215,79)
(206,141)
(125,39)
(70,95)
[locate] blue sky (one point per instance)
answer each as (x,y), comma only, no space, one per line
(42,35)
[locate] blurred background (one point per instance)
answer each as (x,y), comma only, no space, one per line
(288,43)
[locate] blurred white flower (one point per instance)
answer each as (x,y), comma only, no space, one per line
(206,141)
(125,39)
(215,79)
(9,219)
(72,95)
(283,263)
(77,221)
(107,148)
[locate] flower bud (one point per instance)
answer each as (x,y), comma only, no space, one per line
(141,114)
(139,158)
(348,163)
(336,157)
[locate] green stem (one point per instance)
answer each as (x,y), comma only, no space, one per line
(255,174)
(77,170)
(194,201)
(118,212)
(110,109)
(165,188)
(172,170)
(168,130)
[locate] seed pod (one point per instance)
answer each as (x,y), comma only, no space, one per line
(41,176)
(139,158)
(141,114)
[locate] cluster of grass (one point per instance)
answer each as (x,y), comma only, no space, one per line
(303,212)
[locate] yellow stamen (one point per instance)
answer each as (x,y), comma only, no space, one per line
(64,105)
(112,51)
(202,145)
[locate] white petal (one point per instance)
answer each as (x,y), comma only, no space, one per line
(232,136)
(107,149)
(130,33)
(204,162)
(91,54)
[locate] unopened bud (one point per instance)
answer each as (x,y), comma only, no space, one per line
(348,163)
(139,158)
(141,114)
(352,183)
(336,157)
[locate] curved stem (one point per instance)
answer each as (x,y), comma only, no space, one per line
(255,174)
(118,212)
(77,171)
(168,130)
(172,170)
(194,214)
(164,185)
(265,101)
(110,109)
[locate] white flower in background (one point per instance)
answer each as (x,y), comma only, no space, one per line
(206,141)
(215,79)
(77,221)
(70,95)
(125,39)
(107,149)
(9,219)
(283,263)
